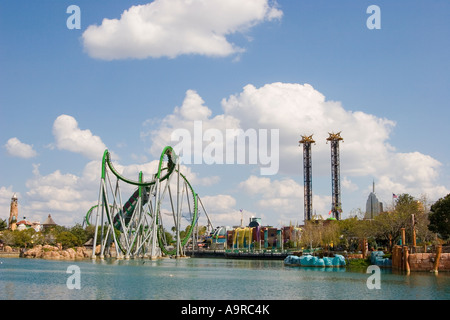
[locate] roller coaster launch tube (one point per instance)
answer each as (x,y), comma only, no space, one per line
(128,208)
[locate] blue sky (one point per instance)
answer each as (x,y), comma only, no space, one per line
(317,64)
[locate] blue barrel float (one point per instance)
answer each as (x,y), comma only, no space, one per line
(377,258)
(312,261)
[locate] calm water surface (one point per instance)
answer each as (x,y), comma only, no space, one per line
(207,279)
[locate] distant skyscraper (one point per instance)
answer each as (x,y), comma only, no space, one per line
(373,206)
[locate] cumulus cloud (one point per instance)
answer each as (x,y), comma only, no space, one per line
(282,197)
(222,209)
(68,196)
(6,194)
(348,184)
(182,121)
(19,149)
(148,170)
(299,109)
(221,203)
(413,173)
(68,136)
(65,195)
(174,27)
(294,109)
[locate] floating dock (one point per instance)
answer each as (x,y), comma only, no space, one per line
(267,255)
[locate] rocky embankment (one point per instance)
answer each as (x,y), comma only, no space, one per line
(57,253)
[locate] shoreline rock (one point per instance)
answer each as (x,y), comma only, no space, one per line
(57,253)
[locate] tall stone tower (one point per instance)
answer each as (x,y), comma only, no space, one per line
(13,213)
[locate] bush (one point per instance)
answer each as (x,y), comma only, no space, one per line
(67,239)
(358,263)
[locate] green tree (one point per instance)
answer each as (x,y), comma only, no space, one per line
(24,239)
(169,237)
(421,222)
(90,231)
(80,233)
(201,230)
(51,234)
(67,239)
(8,237)
(387,225)
(440,218)
(311,234)
(3,224)
(330,233)
(353,229)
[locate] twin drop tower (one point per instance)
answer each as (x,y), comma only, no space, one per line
(334,139)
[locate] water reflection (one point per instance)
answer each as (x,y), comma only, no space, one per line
(321,269)
(201,279)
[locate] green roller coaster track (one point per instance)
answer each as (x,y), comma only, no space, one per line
(162,174)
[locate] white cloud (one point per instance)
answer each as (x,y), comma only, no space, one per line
(148,169)
(413,173)
(6,194)
(68,136)
(219,203)
(68,196)
(348,184)
(174,27)
(183,117)
(64,195)
(283,198)
(296,110)
(19,149)
(222,210)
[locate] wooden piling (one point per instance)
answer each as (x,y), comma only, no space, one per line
(405,259)
(364,246)
(437,258)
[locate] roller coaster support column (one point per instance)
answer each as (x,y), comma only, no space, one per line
(153,250)
(94,244)
(178,211)
(103,203)
(137,226)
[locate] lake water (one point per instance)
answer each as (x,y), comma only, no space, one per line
(207,279)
